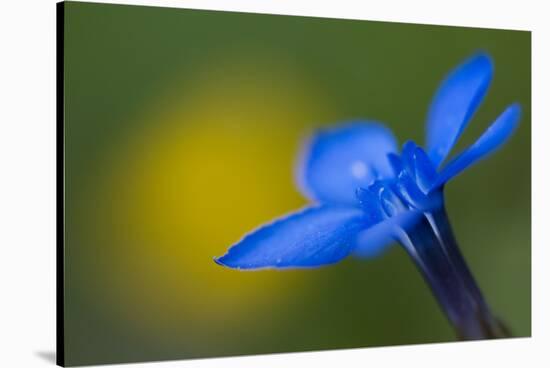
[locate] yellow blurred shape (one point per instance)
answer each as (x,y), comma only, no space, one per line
(205,168)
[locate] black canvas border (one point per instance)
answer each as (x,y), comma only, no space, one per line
(60,185)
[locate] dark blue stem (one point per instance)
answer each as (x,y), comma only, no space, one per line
(432,246)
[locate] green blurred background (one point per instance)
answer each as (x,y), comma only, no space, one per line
(182,128)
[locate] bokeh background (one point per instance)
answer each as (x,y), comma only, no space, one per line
(182,129)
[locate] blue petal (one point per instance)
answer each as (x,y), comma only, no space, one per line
(339,160)
(426,173)
(396,163)
(374,240)
(409,190)
(312,237)
(417,165)
(369,201)
(492,139)
(407,157)
(454,103)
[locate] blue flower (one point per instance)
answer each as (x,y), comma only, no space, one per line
(367,195)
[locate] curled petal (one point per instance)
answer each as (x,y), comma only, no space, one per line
(337,161)
(416,164)
(312,237)
(503,127)
(396,163)
(426,173)
(454,103)
(411,193)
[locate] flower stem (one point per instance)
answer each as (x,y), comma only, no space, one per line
(432,246)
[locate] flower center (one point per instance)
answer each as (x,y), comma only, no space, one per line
(391,203)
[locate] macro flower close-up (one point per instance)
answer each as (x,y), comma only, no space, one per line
(367,194)
(305,183)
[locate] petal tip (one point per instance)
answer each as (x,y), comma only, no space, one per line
(511,116)
(483,57)
(456,100)
(481,61)
(515,108)
(222,261)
